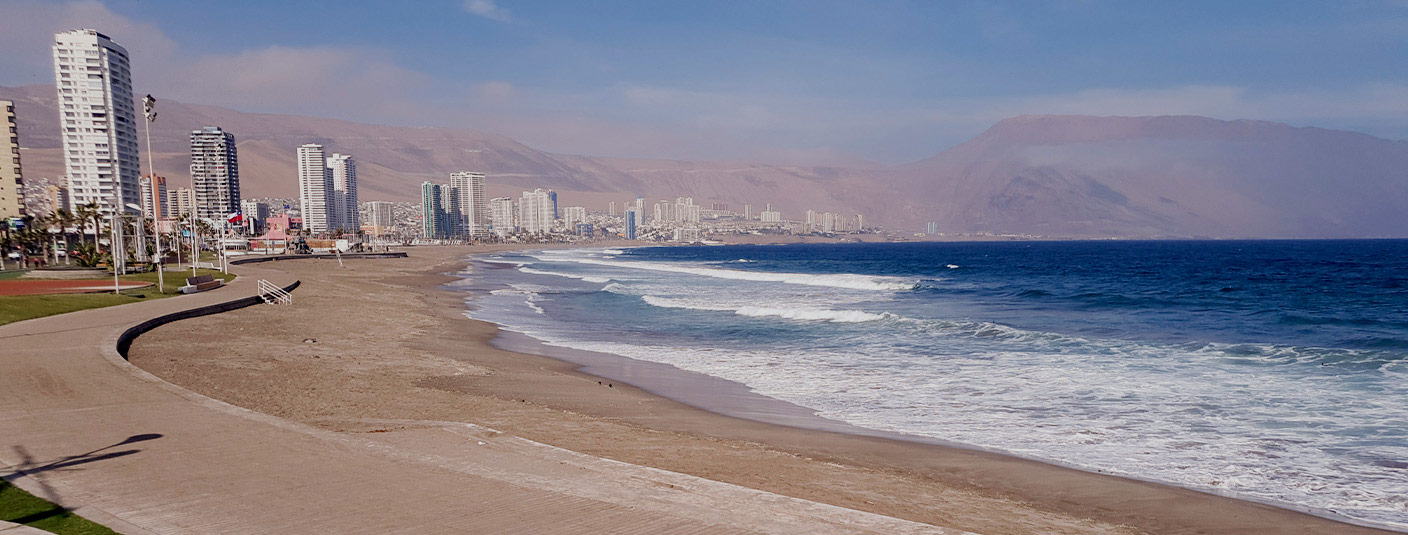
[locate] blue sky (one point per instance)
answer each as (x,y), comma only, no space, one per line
(786,81)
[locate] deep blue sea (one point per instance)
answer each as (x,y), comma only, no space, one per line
(1269,370)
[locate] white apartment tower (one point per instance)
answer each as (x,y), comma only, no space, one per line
(98,120)
(474,208)
(342,206)
(573,215)
(314,188)
(501,216)
(383,216)
(215,171)
(535,212)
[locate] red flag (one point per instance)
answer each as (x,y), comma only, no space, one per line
(235,217)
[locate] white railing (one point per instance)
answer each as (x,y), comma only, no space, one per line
(271,293)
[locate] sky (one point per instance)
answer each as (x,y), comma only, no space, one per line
(782,81)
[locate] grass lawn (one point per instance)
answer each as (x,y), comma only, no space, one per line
(21,507)
(22,307)
(10,275)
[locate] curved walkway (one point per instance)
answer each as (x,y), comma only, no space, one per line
(82,427)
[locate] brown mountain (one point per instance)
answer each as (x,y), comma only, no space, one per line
(1163,176)
(393,161)
(1063,176)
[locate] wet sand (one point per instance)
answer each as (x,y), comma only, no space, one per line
(380,339)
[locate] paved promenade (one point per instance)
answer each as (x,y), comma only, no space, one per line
(82,427)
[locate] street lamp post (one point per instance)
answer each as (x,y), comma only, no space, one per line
(149,111)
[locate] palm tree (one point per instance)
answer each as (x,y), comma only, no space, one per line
(64,220)
(85,213)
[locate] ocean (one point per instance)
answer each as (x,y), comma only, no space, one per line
(1274,371)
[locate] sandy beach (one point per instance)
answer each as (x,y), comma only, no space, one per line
(380,340)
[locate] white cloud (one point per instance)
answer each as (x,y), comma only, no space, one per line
(487,9)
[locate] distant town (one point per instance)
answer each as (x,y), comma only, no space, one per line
(104,186)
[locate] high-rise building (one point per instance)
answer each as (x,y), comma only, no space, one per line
(314,188)
(573,215)
(432,211)
(453,225)
(931,228)
(860,222)
(501,216)
(611,209)
(685,210)
(183,202)
(631,223)
(215,172)
(98,122)
(11,179)
(535,212)
(555,213)
(342,205)
(474,209)
(748,212)
(383,216)
(770,216)
(155,202)
(828,222)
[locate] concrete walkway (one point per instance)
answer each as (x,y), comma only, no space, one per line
(82,427)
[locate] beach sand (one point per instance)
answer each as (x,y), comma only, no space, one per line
(378,339)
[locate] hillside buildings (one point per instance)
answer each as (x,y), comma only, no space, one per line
(57,197)
(11,179)
(93,80)
(156,204)
(215,172)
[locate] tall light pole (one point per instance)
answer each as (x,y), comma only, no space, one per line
(149,111)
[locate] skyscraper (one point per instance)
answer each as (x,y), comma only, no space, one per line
(631,216)
(155,202)
(573,215)
(553,196)
(383,215)
(342,206)
(535,212)
(432,211)
(98,121)
(215,171)
(501,216)
(11,180)
(474,209)
(314,188)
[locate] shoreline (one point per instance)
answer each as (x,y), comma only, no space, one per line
(559,402)
(736,400)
